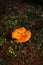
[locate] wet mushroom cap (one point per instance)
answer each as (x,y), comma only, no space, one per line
(21,34)
(15,34)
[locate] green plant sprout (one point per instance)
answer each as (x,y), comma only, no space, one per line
(8,22)
(13,23)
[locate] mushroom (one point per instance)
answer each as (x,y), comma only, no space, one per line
(21,34)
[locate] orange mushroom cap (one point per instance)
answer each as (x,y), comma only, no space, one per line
(21,34)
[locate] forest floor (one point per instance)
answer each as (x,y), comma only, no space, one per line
(12,16)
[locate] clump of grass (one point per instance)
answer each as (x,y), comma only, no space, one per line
(2,40)
(10,21)
(13,23)
(16,47)
(11,51)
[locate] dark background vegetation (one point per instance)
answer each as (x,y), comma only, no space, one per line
(5,3)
